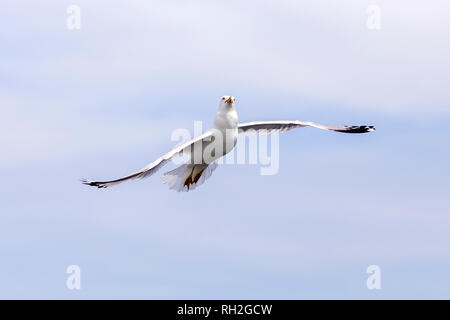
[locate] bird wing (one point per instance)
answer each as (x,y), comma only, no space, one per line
(286,125)
(152,167)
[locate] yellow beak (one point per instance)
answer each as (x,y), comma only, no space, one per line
(229,100)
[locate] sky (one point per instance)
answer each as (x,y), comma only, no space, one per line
(102,101)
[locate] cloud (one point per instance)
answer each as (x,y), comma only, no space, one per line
(320,50)
(57,130)
(102,102)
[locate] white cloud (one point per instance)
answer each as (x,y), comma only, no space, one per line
(31,132)
(321,50)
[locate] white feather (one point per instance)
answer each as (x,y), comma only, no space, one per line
(176,178)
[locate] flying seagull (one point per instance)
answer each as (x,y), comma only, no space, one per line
(221,139)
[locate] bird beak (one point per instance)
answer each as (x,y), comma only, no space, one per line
(229,100)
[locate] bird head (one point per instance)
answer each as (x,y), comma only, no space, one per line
(227,101)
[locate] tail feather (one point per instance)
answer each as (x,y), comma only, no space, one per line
(188,176)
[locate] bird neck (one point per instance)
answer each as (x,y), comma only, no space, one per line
(226,119)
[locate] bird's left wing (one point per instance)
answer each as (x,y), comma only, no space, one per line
(152,167)
(286,125)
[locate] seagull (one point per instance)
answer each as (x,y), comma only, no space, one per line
(221,139)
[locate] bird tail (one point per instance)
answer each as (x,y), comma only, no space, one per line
(188,176)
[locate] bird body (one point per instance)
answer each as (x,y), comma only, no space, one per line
(213,144)
(226,123)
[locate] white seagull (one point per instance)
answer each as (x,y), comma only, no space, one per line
(221,139)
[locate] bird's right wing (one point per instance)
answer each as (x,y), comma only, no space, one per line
(286,125)
(152,167)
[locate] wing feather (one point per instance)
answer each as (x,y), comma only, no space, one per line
(151,168)
(286,125)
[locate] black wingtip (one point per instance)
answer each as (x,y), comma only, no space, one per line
(92,183)
(357,129)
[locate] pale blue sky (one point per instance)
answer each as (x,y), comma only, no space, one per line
(103,101)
